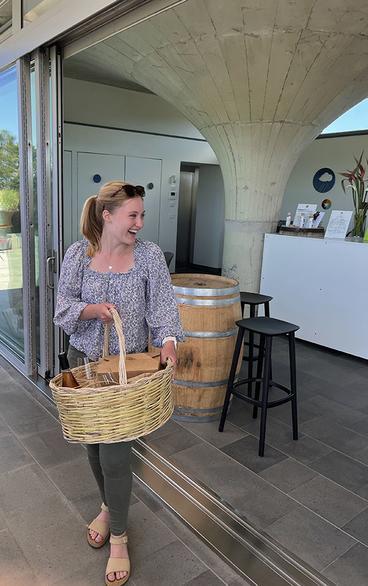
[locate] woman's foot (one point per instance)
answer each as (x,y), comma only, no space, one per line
(118,552)
(104,516)
(99,530)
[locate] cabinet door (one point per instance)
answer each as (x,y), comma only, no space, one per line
(147,172)
(108,167)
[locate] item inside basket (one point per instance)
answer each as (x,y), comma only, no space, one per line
(136,364)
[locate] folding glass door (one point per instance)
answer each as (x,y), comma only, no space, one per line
(30,210)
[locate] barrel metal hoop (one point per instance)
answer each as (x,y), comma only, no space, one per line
(178,410)
(206,292)
(195,384)
(209,302)
(225,334)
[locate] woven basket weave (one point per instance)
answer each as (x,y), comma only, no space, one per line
(115,413)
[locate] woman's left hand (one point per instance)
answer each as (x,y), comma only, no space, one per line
(168,352)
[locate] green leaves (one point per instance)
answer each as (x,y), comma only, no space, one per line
(9,161)
(354,180)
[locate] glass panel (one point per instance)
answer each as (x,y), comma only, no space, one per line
(11,281)
(32,9)
(5,14)
(35,213)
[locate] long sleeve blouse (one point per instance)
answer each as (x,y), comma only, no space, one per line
(143,296)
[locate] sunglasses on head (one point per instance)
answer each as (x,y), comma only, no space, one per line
(131,190)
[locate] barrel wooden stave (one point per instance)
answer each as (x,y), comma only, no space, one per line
(208,317)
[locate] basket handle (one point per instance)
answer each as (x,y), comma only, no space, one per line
(105,352)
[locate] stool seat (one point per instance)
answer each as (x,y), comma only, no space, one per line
(254,298)
(267,326)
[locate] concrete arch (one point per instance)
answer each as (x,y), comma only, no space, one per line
(259,79)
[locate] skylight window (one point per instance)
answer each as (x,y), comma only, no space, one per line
(354,119)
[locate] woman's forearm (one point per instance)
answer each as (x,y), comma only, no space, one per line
(97,311)
(89,312)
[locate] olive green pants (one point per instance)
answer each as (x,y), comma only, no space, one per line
(110,464)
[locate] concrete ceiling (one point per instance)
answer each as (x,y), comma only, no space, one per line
(98,65)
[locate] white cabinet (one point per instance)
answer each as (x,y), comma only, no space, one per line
(320,285)
(147,172)
(80,174)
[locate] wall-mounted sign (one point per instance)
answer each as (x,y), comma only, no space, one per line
(96,178)
(326,204)
(324,180)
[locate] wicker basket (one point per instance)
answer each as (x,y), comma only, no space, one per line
(115,413)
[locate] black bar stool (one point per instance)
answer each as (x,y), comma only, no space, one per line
(267,328)
(254,300)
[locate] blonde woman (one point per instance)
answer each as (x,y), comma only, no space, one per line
(109,268)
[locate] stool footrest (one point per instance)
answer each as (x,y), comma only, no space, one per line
(270,404)
(274,403)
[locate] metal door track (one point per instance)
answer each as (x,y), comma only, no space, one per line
(252,554)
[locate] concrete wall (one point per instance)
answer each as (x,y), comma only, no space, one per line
(95,103)
(91,104)
(336,153)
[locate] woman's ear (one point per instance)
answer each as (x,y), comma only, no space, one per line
(106,215)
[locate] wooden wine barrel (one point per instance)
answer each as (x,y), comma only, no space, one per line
(209,306)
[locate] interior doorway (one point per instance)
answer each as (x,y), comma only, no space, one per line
(186,216)
(200,229)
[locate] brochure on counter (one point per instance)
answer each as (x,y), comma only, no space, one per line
(338,224)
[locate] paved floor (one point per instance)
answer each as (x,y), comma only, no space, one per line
(311,495)
(47,495)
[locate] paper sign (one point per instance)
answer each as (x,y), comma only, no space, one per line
(302,214)
(338,224)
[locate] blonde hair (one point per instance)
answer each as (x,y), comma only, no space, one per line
(110,197)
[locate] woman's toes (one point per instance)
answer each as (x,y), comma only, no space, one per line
(116,576)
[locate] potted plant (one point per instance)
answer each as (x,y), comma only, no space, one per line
(359,187)
(9,203)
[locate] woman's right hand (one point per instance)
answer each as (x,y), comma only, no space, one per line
(102,311)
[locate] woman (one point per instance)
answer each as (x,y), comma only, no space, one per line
(112,268)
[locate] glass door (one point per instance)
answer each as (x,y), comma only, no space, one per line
(46,114)
(11,254)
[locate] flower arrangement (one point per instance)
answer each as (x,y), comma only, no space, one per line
(359,186)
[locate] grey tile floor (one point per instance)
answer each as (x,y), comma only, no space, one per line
(47,495)
(310,495)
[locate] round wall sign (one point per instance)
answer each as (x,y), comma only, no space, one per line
(96,178)
(324,180)
(326,204)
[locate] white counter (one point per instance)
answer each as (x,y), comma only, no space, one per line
(320,285)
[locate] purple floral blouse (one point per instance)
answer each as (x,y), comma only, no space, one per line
(143,296)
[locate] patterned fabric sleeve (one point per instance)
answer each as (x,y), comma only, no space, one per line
(69,305)
(162,314)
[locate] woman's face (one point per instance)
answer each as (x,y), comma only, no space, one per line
(124,222)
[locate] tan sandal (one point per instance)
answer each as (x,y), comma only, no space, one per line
(118,564)
(101,527)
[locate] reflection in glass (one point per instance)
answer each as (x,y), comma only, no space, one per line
(5,15)
(11,281)
(32,9)
(35,212)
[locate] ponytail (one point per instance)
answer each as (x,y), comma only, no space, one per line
(91,225)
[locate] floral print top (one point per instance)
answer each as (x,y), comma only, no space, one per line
(143,296)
